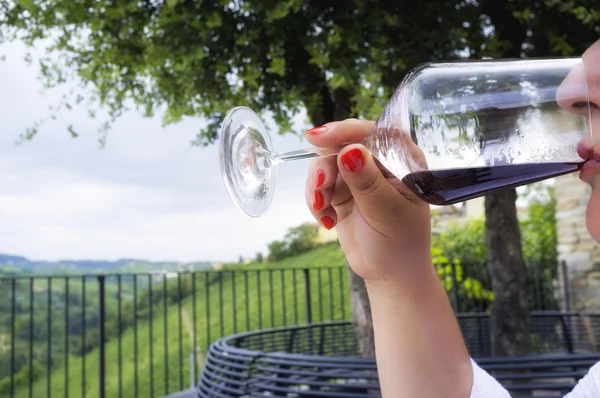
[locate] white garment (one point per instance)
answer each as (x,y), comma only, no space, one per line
(485,386)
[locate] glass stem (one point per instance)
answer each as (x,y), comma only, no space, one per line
(280,157)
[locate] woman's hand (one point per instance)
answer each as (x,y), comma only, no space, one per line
(383,227)
(384,231)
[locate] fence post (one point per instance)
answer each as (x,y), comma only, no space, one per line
(481,351)
(193,368)
(307,304)
(101,330)
(307,297)
(13,334)
(566,292)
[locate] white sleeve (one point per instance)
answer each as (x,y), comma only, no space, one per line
(485,386)
(588,386)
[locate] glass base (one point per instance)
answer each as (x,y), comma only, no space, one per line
(245,157)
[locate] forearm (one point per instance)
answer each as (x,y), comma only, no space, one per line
(419,347)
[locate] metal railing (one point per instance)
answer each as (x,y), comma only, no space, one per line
(122,335)
(323,360)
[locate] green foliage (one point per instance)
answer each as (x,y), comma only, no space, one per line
(50,305)
(452,275)
(21,378)
(464,242)
(297,240)
(189,59)
(538,229)
(276,250)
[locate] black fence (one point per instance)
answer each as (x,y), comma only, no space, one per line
(147,335)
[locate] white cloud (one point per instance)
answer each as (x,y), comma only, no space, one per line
(148,194)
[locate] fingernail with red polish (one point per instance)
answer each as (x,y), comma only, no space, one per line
(320,178)
(327,222)
(317,130)
(353,160)
(317,200)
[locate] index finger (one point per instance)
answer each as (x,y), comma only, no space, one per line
(340,133)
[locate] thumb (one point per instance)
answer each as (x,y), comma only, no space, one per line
(378,200)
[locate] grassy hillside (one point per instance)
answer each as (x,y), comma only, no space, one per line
(267,295)
(47,296)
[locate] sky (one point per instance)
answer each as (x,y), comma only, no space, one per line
(147,194)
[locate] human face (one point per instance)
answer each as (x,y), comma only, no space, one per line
(589,147)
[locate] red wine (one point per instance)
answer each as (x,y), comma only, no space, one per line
(449,186)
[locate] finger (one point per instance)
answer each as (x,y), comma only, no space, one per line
(321,178)
(378,201)
(318,200)
(403,146)
(340,133)
(341,198)
(328,219)
(319,204)
(413,152)
(322,173)
(341,193)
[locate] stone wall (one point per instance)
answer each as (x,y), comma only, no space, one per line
(575,245)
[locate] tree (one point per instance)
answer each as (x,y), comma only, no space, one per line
(524,29)
(201,58)
(297,240)
(301,238)
(276,250)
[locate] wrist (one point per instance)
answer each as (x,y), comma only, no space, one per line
(421,278)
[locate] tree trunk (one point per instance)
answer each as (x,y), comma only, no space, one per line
(510,318)
(361,315)
(338,106)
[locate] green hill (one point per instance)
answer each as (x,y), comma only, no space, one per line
(13,265)
(267,295)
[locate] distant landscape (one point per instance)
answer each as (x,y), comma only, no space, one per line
(15,264)
(143,326)
(57,311)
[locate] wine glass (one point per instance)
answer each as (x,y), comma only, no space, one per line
(452,131)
